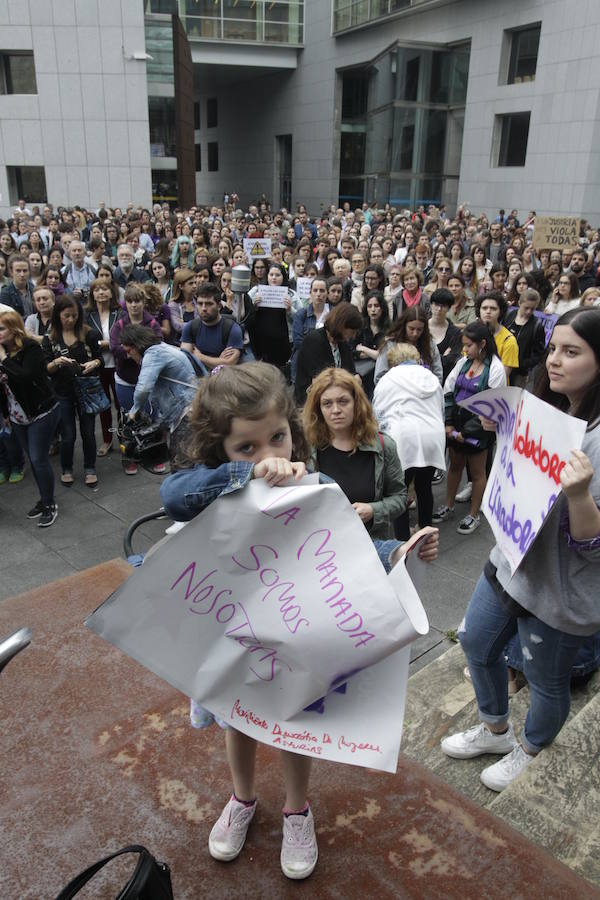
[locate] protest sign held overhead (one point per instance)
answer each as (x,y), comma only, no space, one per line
(556,232)
(257,248)
(272,609)
(534,444)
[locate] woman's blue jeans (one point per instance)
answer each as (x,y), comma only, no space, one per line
(35,439)
(548,657)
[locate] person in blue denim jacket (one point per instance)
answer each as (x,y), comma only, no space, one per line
(244,425)
(166,383)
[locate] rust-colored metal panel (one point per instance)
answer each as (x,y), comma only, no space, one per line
(184,116)
(97,753)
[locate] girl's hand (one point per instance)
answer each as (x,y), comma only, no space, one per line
(576,476)
(364,510)
(89,367)
(257,300)
(288,302)
(429,546)
(276,470)
(428,540)
(487,424)
(449,430)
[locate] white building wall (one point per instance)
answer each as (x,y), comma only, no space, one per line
(88,123)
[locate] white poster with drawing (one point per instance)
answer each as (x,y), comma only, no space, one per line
(534,444)
(257,248)
(272,609)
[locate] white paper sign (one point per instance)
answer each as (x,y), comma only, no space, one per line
(534,444)
(256,248)
(303,287)
(272,296)
(267,602)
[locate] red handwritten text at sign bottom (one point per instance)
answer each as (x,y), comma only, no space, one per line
(353,746)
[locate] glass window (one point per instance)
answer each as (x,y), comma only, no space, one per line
(382,81)
(439,77)
(379,141)
(352,191)
(213,156)
(283,22)
(18,73)
(159,44)
(198,157)
(203,19)
(523,54)
(404,139)
(211,112)
(163,137)
(429,190)
(400,192)
(26,183)
(434,138)
(161,6)
(164,185)
(459,74)
(514,132)
(240,20)
(355,90)
(352,156)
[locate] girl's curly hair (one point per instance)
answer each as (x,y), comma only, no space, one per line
(248,391)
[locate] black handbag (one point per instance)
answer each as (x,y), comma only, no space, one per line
(150,881)
(90,394)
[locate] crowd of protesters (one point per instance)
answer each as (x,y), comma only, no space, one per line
(378,278)
(389,319)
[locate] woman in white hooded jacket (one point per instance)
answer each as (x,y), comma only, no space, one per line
(409,406)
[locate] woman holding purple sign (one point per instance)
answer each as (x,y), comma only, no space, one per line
(551,600)
(477,371)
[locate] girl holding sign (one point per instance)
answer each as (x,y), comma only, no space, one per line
(551,600)
(245,425)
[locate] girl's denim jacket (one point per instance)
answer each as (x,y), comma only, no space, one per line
(189,491)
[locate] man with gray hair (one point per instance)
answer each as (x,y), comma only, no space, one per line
(127,271)
(80,272)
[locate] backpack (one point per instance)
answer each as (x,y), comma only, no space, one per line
(227,323)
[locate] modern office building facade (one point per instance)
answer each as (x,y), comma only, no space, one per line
(314,101)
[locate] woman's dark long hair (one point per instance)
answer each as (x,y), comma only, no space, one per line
(477,332)
(67,301)
(384,319)
(586,325)
(397,332)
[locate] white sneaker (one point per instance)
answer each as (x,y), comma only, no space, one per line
(502,773)
(478,740)
(175,527)
(229,831)
(299,852)
(441,514)
(465,495)
(469,524)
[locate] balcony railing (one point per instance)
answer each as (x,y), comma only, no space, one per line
(352,13)
(248,21)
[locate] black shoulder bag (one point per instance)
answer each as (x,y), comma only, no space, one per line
(150,881)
